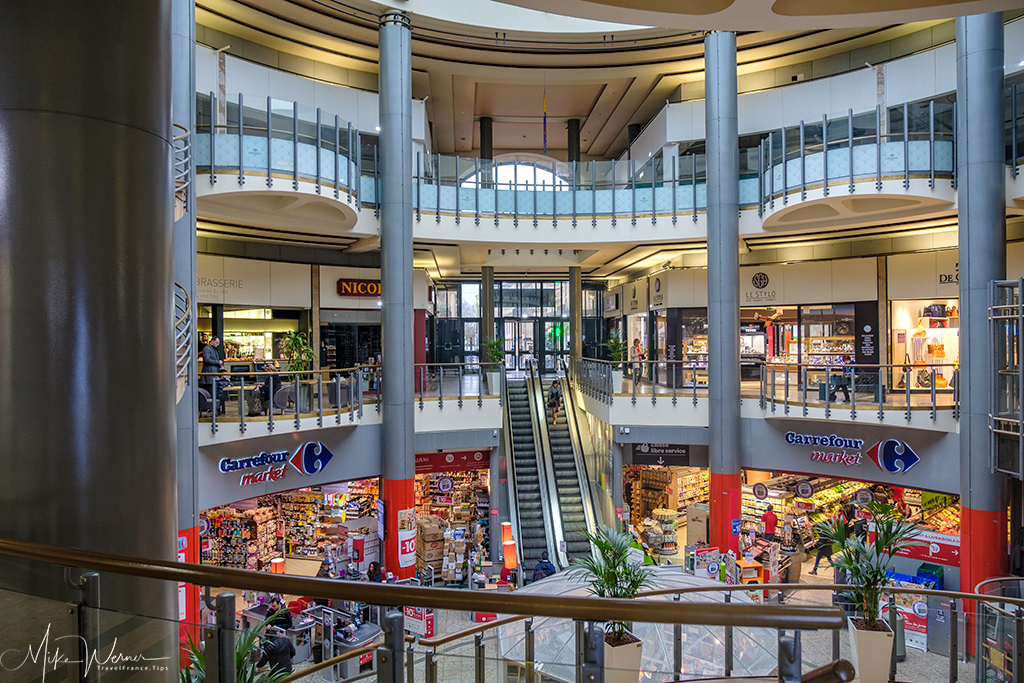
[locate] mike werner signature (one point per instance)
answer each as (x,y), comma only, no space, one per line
(51,658)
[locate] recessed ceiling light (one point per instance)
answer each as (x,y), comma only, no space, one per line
(378,129)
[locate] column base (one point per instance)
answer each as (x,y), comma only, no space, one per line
(399,544)
(725,497)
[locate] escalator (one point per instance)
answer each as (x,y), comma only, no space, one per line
(529,499)
(568,483)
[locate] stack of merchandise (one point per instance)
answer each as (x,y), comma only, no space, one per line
(300,512)
(453,567)
(242,539)
(666,520)
(430,544)
(649,492)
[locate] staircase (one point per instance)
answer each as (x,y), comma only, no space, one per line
(567,481)
(532,535)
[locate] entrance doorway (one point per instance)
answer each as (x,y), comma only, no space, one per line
(520,336)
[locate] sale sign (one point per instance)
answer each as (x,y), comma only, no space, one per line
(419,621)
(805,505)
(935,547)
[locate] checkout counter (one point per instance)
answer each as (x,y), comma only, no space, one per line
(300,633)
(339,632)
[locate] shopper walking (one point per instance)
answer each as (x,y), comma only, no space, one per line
(636,358)
(842,382)
(824,548)
(554,400)
(544,568)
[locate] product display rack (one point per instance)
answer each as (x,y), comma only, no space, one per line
(362,499)
(692,487)
(300,517)
(648,491)
(240,539)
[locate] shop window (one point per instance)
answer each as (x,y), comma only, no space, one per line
(925,336)
(591,303)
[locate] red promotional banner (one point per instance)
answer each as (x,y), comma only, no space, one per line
(452,461)
(937,548)
(805,505)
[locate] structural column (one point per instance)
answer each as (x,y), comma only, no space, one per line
(87,385)
(982,213)
(573,140)
(397,417)
(486,137)
(723,286)
(575,311)
(487,304)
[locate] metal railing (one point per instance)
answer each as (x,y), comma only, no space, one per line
(667,380)
(316,395)
(1006,414)
(183,335)
(458,382)
(287,141)
(1000,630)
(791,387)
(182,143)
(219,638)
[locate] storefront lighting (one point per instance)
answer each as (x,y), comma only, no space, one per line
(506,532)
(510,555)
(378,302)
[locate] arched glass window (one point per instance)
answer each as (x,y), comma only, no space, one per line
(518,173)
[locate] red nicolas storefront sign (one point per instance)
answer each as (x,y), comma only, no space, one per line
(453,461)
(358,287)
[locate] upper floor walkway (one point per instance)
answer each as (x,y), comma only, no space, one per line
(280,164)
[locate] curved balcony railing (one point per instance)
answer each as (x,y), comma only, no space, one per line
(277,140)
(182,333)
(182,143)
(280,141)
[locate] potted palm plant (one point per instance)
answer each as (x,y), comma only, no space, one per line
(611,574)
(245,663)
(298,352)
(864,561)
(618,349)
(494,355)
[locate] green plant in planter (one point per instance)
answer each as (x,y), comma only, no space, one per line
(494,350)
(610,574)
(618,349)
(299,353)
(245,665)
(865,561)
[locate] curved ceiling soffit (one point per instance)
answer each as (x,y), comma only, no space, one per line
(297,28)
(752,15)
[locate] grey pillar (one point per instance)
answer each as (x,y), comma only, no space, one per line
(982,239)
(486,137)
(573,135)
(314,314)
(575,311)
(87,452)
(183,95)
(398,419)
(618,502)
(723,281)
(487,304)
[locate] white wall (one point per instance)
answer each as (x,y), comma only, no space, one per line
(811,282)
(256,83)
(248,282)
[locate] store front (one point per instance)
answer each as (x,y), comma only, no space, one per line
(255,304)
(665,489)
(453,491)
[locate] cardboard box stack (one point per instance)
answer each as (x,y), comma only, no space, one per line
(430,544)
(456,550)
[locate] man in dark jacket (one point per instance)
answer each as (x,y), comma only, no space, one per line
(277,652)
(212,363)
(544,568)
(282,620)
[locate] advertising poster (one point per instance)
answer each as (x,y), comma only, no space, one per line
(914,609)
(419,621)
(407,537)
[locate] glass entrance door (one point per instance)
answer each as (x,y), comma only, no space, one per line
(556,344)
(520,336)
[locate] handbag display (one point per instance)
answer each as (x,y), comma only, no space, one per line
(941,382)
(936,349)
(935,311)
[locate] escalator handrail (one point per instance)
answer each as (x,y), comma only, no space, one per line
(576,438)
(510,466)
(546,463)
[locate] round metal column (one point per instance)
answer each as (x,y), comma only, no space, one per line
(398,359)
(87,453)
(723,166)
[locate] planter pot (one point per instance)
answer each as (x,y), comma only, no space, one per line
(493,382)
(871,652)
(616,380)
(622,663)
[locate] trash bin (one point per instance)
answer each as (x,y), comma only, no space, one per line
(931,572)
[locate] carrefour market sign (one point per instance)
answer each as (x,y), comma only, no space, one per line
(891,455)
(308,459)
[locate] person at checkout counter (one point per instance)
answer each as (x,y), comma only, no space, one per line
(277,652)
(282,619)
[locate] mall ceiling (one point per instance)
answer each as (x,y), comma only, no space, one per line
(609,75)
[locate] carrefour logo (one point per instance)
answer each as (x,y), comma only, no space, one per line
(310,458)
(893,456)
